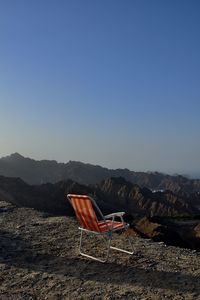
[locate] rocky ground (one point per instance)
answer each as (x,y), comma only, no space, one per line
(39,260)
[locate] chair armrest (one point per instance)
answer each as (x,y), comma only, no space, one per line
(117,214)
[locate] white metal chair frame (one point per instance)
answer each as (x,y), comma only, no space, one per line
(108,234)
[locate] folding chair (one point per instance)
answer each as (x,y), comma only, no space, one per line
(84,209)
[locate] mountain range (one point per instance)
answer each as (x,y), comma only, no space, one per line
(43,185)
(112,194)
(49,171)
(151,214)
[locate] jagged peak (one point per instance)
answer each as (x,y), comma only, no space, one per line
(14,156)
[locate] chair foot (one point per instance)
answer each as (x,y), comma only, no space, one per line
(122,250)
(94,258)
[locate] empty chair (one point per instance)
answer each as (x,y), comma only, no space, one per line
(85,208)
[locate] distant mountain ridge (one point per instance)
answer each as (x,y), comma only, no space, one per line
(44,171)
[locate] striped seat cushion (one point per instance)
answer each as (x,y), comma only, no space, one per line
(108,225)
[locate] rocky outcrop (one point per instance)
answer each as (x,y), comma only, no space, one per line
(160,231)
(181,232)
(142,201)
(190,233)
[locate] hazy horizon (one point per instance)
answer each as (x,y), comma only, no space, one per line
(195,176)
(111,83)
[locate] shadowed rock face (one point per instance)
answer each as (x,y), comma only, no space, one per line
(112,194)
(142,201)
(46,197)
(38,172)
(158,231)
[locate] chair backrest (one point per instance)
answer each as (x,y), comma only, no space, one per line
(84,210)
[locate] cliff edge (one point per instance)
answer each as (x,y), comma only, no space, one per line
(39,260)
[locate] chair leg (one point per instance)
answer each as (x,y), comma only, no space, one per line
(123,250)
(93,257)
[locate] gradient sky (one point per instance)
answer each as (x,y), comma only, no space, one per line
(109,82)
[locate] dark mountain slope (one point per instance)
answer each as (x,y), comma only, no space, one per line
(112,194)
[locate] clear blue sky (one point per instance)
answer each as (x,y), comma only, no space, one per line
(109,82)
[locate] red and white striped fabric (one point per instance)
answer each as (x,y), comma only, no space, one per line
(107,225)
(84,211)
(86,215)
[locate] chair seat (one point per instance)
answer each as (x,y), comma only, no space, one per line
(108,225)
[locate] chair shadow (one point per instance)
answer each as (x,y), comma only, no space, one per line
(16,252)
